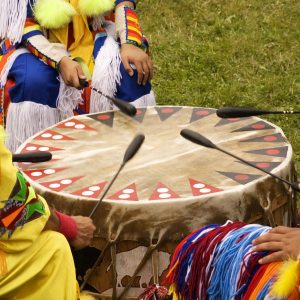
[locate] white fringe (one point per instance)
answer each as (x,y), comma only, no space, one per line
(26,119)
(12,19)
(68,99)
(146,100)
(106,75)
(8,65)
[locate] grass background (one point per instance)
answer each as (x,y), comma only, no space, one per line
(215,53)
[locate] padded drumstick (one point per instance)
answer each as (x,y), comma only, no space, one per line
(33,157)
(124,106)
(240,112)
(199,139)
(132,149)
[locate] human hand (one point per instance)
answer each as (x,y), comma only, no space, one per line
(131,54)
(71,72)
(284,242)
(85,231)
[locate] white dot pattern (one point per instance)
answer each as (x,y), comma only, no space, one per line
(49,171)
(162,190)
(69,124)
(164,195)
(87,193)
(199,185)
(94,188)
(54,185)
(66,181)
(80,126)
(31,148)
(128,191)
(124,196)
(43,148)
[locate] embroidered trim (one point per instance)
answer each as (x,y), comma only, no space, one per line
(41,56)
(133,29)
(21,208)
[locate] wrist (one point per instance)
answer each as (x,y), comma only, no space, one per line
(67,226)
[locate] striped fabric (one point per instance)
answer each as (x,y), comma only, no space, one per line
(32,29)
(133,30)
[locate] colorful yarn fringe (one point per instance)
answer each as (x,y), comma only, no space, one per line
(217,262)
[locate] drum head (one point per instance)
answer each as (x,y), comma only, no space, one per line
(88,150)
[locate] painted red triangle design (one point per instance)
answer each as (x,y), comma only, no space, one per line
(50,135)
(200,113)
(162,192)
(58,185)
(200,188)
(106,118)
(92,191)
(74,124)
(271,138)
(41,173)
(35,147)
(129,193)
(241,178)
(228,121)
(165,112)
(140,114)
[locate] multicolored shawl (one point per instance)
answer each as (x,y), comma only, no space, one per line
(217,262)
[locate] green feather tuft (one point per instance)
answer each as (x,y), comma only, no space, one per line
(92,8)
(53,14)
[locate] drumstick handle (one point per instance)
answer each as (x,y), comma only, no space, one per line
(106,190)
(124,106)
(33,157)
(294,185)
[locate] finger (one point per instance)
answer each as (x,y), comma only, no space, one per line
(146,73)
(280,229)
(269,246)
(268,237)
(139,69)
(150,66)
(275,256)
(127,67)
(75,81)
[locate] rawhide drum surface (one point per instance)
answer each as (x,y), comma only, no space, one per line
(171,186)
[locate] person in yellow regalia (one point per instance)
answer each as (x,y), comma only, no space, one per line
(35,257)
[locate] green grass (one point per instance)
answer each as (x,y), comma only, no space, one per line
(216,53)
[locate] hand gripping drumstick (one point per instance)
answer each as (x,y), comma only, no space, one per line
(240,112)
(124,106)
(34,157)
(199,139)
(132,149)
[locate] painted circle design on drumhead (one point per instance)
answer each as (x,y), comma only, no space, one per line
(69,124)
(199,185)
(31,148)
(94,188)
(44,148)
(36,174)
(91,147)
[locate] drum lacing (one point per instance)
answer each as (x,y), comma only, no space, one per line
(148,253)
(266,205)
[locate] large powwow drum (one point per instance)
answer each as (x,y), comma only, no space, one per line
(170,188)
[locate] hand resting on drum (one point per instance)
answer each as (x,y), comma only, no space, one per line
(85,231)
(283,243)
(78,230)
